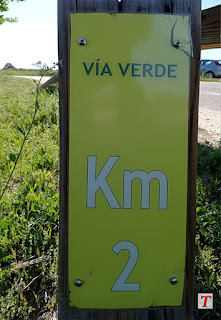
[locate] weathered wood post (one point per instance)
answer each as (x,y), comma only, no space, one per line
(129,83)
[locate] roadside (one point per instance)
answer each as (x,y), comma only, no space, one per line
(204,136)
(210,113)
(36,78)
(26,72)
(210,79)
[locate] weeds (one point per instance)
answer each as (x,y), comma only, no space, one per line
(29,208)
(208,228)
(15,157)
(204,78)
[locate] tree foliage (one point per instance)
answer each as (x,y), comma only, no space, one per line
(4,8)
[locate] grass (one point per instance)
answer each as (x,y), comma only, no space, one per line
(29,209)
(208,228)
(26,72)
(203,78)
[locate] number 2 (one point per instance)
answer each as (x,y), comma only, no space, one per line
(120,284)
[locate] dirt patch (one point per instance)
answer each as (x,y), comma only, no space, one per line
(209,126)
(205,136)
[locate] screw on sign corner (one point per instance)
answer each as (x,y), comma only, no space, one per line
(177,44)
(82,41)
(78,283)
(173,281)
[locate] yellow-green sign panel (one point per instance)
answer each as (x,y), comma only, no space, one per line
(129,92)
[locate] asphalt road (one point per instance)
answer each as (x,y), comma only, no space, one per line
(210,95)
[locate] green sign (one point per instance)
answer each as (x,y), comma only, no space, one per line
(129,92)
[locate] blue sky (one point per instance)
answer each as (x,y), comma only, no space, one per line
(34,36)
(210,3)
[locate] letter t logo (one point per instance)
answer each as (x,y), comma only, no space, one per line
(205,301)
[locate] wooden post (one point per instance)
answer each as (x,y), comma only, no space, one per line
(65,7)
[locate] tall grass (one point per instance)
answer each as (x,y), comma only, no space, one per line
(29,209)
(208,228)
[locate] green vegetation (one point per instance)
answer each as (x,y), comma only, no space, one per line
(4,8)
(29,209)
(203,78)
(208,227)
(26,72)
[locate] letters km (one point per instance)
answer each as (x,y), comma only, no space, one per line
(96,182)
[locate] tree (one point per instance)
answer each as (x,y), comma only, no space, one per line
(4,8)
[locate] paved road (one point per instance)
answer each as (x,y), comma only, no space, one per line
(210,95)
(210,109)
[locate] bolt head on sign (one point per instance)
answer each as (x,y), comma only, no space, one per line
(205,300)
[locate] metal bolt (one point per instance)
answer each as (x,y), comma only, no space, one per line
(177,44)
(173,281)
(82,41)
(78,283)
